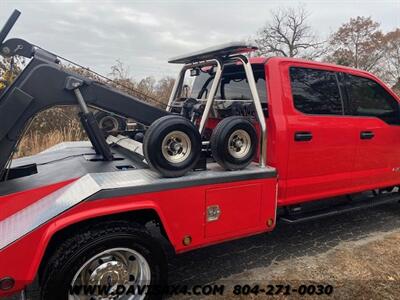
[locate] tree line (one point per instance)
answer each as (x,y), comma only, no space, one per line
(359,43)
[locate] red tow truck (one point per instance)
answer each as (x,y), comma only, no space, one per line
(257,140)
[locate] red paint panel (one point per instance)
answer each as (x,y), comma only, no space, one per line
(377,158)
(240,209)
(323,165)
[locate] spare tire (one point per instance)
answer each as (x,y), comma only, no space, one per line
(172,146)
(234,143)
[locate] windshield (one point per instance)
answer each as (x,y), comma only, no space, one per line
(233,86)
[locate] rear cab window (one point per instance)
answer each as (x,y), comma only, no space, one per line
(233,86)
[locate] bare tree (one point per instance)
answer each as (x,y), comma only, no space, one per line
(119,71)
(289,35)
(148,89)
(392,58)
(164,88)
(358,43)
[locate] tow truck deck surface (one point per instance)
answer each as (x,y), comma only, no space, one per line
(84,178)
(81,160)
(66,161)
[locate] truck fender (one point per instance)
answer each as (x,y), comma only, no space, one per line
(26,268)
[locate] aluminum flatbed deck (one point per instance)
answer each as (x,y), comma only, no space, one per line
(108,184)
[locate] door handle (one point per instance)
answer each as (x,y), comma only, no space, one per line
(302,136)
(366,135)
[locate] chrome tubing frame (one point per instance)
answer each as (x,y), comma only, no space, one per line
(213,90)
(178,83)
(257,104)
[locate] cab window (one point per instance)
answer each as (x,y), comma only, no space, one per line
(370,99)
(315,91)
(233,86)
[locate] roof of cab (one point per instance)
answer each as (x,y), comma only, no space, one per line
(322,65)
(279,59)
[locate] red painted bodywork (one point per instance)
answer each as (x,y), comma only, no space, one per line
(181,213)
(335,162)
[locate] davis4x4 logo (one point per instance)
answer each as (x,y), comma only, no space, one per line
(129,290)
(107,290)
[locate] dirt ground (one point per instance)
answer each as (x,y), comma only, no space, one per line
(365,269)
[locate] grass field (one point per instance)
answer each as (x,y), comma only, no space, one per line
(48,129)
(34,142)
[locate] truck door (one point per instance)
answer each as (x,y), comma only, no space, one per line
(376,111)
(321,139)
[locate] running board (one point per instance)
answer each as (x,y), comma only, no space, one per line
(308,216)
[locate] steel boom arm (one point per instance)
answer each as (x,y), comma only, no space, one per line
(43,84)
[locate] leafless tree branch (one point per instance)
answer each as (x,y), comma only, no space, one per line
(289,35)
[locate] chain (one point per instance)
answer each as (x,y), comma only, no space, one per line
(109,80)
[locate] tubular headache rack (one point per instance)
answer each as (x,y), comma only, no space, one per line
(218,57)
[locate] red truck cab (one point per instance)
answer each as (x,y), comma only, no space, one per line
(332,130)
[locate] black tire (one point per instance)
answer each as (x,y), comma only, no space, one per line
(69,256)
(110,123)
(220,144)
(153,146)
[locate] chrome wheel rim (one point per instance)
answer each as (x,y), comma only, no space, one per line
(239,143)
(176,147)
(112,268)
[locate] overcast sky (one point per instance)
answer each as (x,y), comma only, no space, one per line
(144,34)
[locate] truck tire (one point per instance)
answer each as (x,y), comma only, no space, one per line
(109,253)
(110,123)
(234,143)
(172,146)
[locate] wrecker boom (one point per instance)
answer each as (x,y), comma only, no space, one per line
(44,83)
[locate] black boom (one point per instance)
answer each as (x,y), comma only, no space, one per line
(44,84)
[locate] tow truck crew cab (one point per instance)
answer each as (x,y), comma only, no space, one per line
(332,132)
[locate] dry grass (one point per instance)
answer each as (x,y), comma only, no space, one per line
(366,269)
(50,127)
(36,141)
